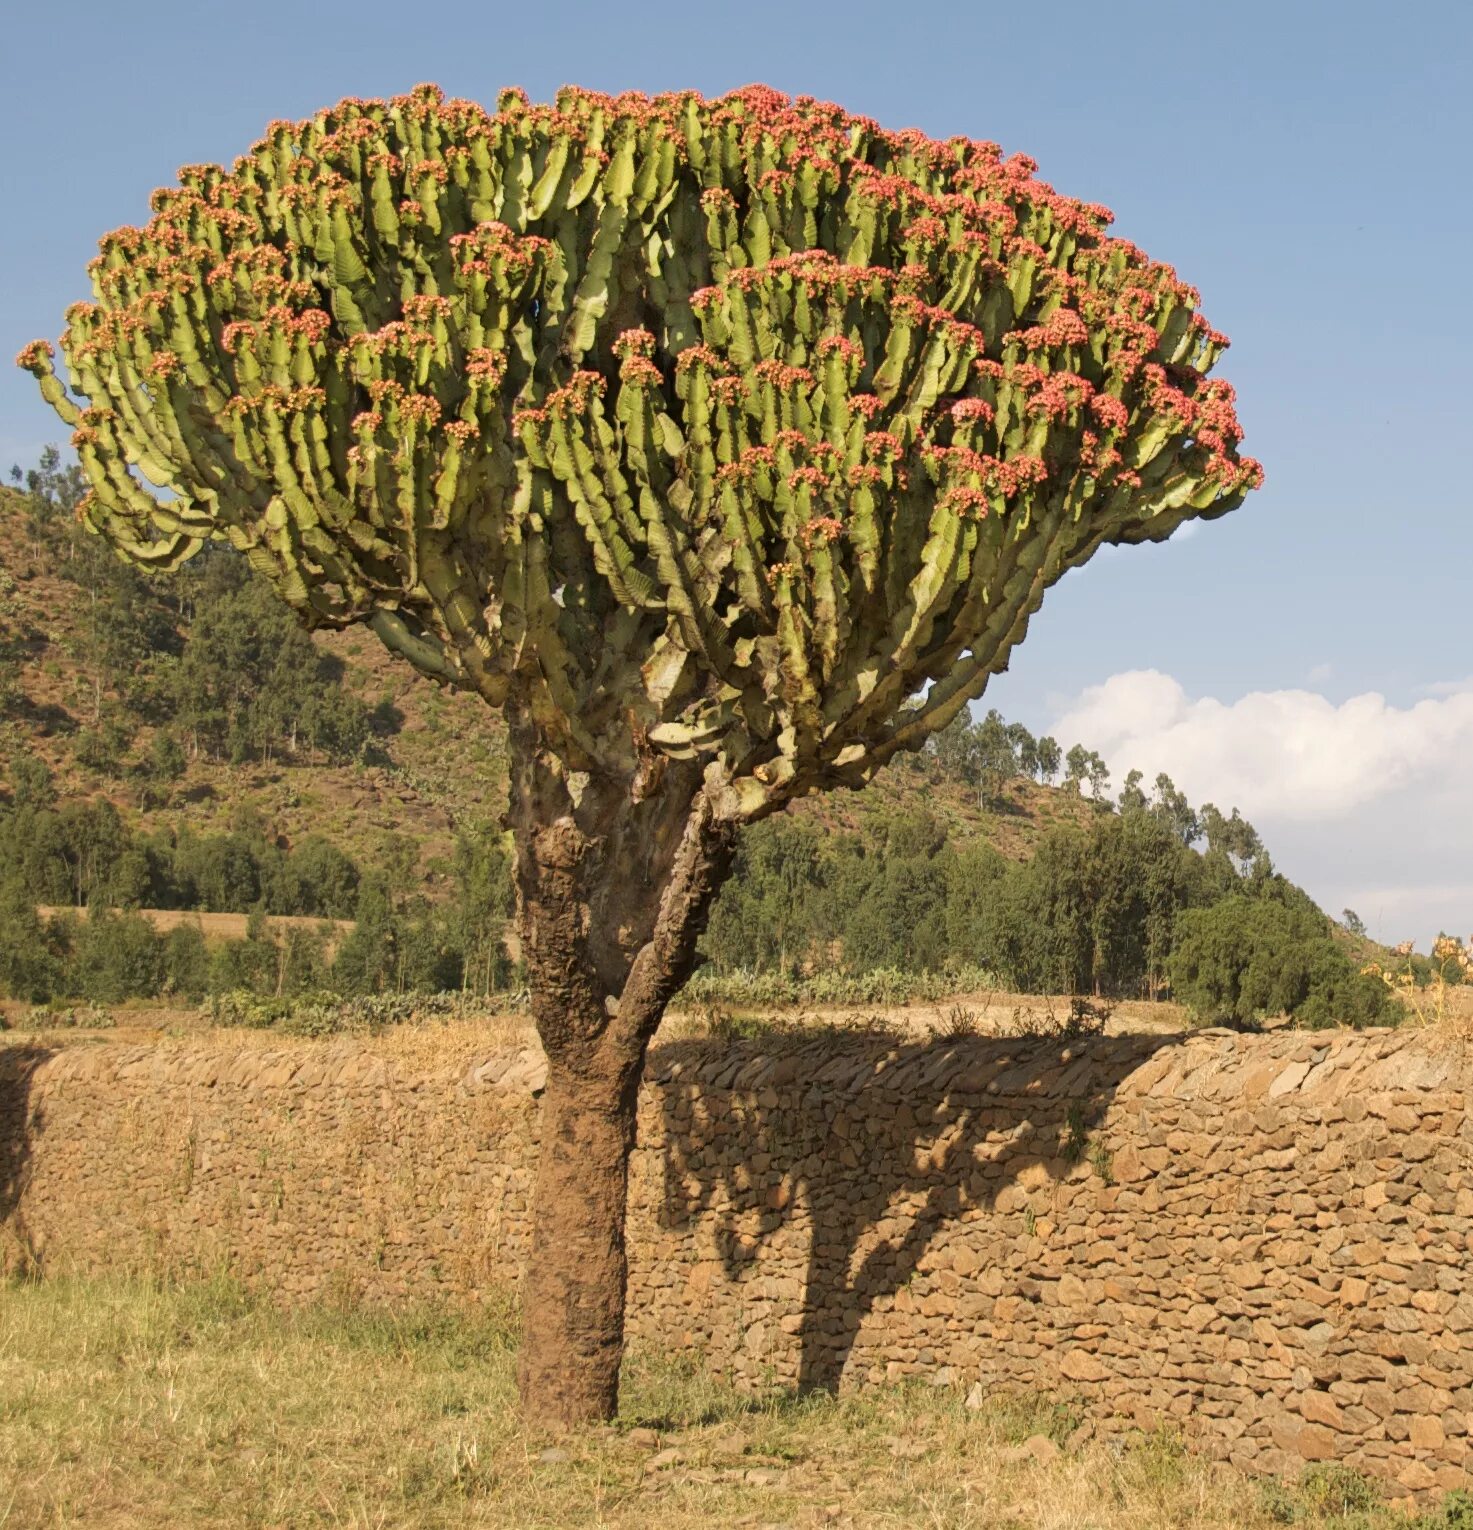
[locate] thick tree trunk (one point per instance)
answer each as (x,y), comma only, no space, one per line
(573,1288)
(614,886)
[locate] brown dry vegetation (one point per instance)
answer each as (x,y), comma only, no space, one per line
(984,1014)
(126,1404)
(216,927)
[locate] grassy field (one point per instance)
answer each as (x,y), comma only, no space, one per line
(125,1404)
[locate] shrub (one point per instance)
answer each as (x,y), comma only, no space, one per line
(116,957)
(882,986)
(186,962)
(29,969)
(1252,956)
(46,1017)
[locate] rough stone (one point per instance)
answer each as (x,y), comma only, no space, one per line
(1270,1268)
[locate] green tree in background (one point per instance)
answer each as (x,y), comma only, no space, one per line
(1247,958)
(997,762)
(483,905)
(1173,809)
(1132,798)
(1049,759)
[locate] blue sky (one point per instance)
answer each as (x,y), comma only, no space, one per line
(1304,163)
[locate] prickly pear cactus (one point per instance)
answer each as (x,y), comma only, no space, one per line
(706,429)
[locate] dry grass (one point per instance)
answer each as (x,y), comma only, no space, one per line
(218,927)
(982,1014)
(990,1013)
(429,1046)
(125,1404)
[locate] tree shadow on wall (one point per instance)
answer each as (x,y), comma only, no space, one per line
(18,1128)
(877,1145)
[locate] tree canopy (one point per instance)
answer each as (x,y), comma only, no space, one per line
(713,428)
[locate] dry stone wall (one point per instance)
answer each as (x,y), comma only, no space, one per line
(1261,1239)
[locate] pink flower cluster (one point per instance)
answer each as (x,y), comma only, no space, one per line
(35,355)
(967,411)
(822,528)
(485,365)
(844,346)
(967,499)
(730,391)
(1063,327)
(576,396)
(426,307)
(634,342)
(274,400)
(1005,476)
(162,365)
(491,245)
(810,477)
(699,356)
(1109,411)
(1059,394)
(420,409)
(779,375)
(640,372)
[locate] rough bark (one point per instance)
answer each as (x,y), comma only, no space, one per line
(573,1289)
(615,881)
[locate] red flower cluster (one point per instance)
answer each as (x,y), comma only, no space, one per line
(575,397)
(699,356)
(812,477)
(781,376)
(162,365)
(968,410)
(36,355)
(485,365)
(634,342)
(1109,411)
(822,528)
(844,346)
(729,391)
(492,244)
(640,372)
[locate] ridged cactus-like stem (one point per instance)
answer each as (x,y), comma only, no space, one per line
(729,445)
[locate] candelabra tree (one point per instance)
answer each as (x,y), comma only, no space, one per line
(726,446)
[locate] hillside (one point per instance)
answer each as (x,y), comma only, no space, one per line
(181,743)
(438,761)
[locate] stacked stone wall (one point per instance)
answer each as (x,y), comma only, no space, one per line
(1262,1240)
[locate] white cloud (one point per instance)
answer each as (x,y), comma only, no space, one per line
(1363,802)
